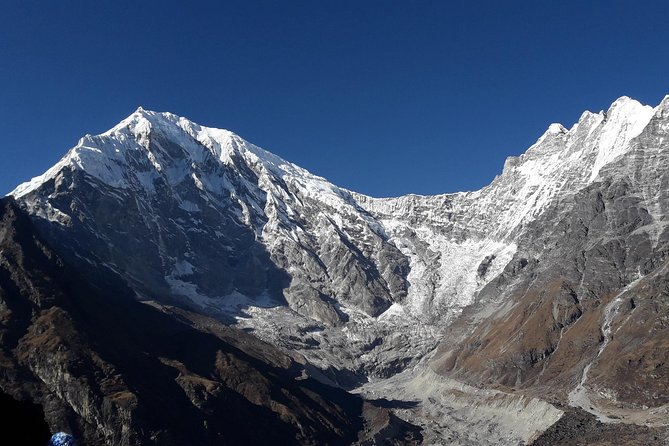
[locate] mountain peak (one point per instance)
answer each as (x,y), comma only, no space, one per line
(622,100)
(627,108)
(145,143)
(556,128)
(141,135)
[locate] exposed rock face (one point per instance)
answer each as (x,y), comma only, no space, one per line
(549,283)
(115,371)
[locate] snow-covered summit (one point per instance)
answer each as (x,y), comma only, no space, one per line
(104,156)
(220,143)
(119,154)
(561,161)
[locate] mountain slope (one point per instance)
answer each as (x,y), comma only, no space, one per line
(585,319)
(115,371)
(227,228)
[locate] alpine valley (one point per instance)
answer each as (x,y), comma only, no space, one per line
(167,283)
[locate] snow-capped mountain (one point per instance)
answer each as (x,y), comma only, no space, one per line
(481,228)
(215,222)
(200,197)
(363,287)
(579,316)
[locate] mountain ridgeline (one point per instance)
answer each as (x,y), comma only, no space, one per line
(251,289)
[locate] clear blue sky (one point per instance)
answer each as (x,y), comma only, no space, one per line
(382,97)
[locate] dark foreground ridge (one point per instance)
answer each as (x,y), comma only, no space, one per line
(16,415)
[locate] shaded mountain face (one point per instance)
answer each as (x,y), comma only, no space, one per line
(547,284)
(115,371)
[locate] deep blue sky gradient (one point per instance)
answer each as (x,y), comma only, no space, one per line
(382,97)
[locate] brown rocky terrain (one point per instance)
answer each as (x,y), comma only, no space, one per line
(581,315)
